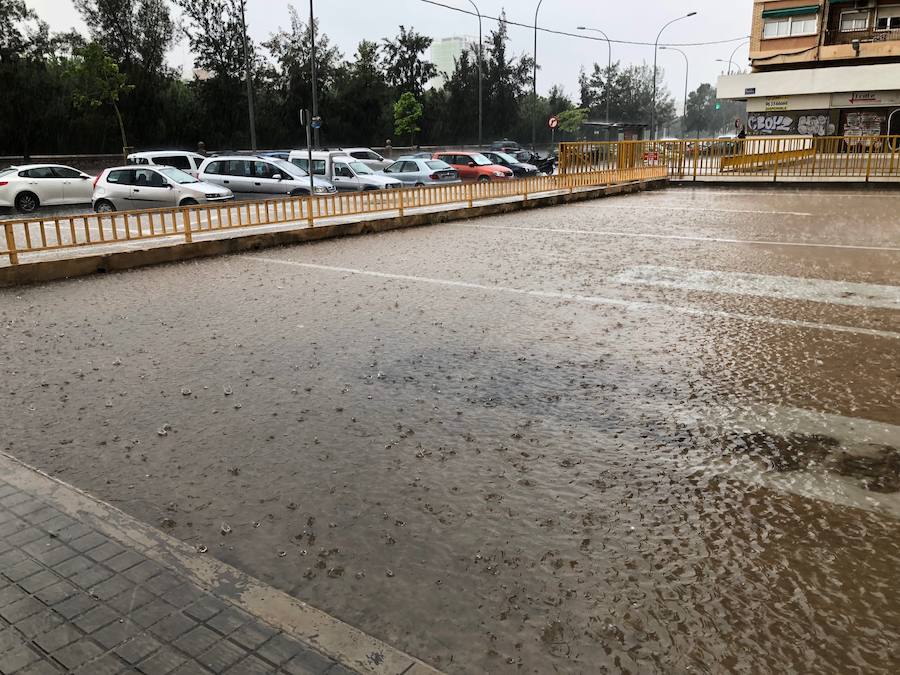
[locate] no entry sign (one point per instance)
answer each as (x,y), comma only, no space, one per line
(553,122)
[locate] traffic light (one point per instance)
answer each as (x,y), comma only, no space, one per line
(718,106)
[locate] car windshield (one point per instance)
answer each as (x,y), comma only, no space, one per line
(360,168)
(177,175)
(289,168)
(480,160)
(506,158)
(6,172)
(437,164)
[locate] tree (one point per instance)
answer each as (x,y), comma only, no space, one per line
(507,101)
(703,116)
(406,68)
(407,113)
(98,82)
(570,121)
(629,90)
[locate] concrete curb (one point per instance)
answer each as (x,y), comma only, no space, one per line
(247,240)
(343,643)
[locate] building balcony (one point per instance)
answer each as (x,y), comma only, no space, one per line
(839,44)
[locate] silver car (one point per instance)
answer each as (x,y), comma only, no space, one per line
(261,176)
(368,157)
(150,187)
(418,172)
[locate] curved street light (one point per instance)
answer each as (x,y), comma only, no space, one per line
(686,71)
(655,52)
(729,62)
(608,67)
(731,58)
(480,76)
(534,81)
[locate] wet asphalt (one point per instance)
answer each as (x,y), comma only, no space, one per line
(654,433)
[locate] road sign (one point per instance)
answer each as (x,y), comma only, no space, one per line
(652,156)
(553,122)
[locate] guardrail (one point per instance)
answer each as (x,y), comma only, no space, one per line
(39,235)
(859,158)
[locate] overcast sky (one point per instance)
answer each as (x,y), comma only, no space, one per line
(349,21)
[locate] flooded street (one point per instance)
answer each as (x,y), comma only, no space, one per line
(656,433)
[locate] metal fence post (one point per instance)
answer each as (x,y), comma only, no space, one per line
(401,191)
(11,244)
(777,151)
(869,160)
(309,211)
(469,193)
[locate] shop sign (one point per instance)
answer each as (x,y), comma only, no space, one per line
(776,103)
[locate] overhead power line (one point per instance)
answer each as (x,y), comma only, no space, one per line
(581,36)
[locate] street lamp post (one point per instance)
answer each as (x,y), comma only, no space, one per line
(655,52)
(248,75)
(480,77)
(534,82)
(686,71)
(729,62)
(731,58)
(315,93)
(608,68)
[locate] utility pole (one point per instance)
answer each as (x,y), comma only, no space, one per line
(608,71)
(534,82)
(686,71)
(248,75)
(315,93)
(480,78)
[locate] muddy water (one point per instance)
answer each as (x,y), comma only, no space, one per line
(499,482)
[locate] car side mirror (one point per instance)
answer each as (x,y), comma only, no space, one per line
(83,177)
(277,176)
(170,186)
(472,164)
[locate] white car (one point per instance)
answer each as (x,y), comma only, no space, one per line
(344,172)
(257,175)
(27,188)
(368,157)
(149,187)
(189,162)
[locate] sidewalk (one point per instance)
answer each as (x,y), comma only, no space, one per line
(84,588)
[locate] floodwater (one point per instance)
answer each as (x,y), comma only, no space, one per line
(650,434)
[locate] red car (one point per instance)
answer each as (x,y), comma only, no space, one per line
(473,166)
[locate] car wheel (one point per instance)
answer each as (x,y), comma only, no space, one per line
(103,206)
(188,202)
(419,185)
(27,202)
(484,179)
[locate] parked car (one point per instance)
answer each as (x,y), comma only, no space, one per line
(368,157)
(27,188)
(152,187)
(346,173)
(256,175)
(506,145)
(418,172)
(473,166)
(189,162)
(276,154)
(519,169)
(417,155)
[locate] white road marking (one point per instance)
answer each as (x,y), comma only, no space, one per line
(697,209)
(648,235)
(763,285)
(885,194)
(591,299)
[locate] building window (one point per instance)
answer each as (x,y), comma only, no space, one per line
(854,21)
(888,18)
(789,26)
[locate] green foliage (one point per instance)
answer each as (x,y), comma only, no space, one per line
(570,121)
(407,114)
(405,65)
(703,118)
(629,92)
(99,82)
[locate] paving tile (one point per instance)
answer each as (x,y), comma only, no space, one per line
(76,605)
(108,664)
(44,667)
(77,654)
(73,566)
(162,662)
(143,571)
(21,609)
(124,561)
(58,523)
(11,594)
(338,669)
(9,638)
(279,649)
(73,531)
(183,595)
(137,649)
(14,498)
(39,623)
(58,638)
(173,627)
(56,593)
(131,600)
(253,634)
(152,612)
(35,548)
(90,577)
(42,516)
(18,658)
(105,551)
(21,570)
(30,505)
(39,581)
(89,541)
(206,608)
(116,633)
(56,555)
(307,662)
(6,490)
(95,619)
(251,666)
(10,527)
(110,588)
(162,582)
(191,668)
(222,655)
(197,641)
(229,621)
(25,536)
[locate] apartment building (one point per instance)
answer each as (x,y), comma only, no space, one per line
(821,68)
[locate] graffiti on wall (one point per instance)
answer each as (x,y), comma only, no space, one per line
(801,123)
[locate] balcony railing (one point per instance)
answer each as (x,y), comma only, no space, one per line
(845,37)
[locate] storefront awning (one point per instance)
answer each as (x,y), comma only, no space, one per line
(791,11)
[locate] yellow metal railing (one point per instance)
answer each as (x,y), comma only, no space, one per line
(868,158)
(22,237)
